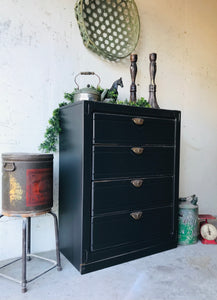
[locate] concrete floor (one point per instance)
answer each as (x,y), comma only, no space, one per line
(184,273)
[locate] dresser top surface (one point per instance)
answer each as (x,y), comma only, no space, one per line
(93,106)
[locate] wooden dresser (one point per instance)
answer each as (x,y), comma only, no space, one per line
(118,185)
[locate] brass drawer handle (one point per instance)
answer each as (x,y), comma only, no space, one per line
(137,150)
(136,215)
(138,121)
(137,182)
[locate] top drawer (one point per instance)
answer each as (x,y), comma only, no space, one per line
(108,128)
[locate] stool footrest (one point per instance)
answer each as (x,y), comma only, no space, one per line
(26,252)
(54,264)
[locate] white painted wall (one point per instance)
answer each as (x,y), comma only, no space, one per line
(41,51)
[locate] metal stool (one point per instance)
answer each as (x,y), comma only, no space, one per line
(26,250)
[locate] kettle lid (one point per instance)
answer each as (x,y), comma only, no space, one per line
(88,90)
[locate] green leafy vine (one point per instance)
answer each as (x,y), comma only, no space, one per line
(52,131)
(139,103)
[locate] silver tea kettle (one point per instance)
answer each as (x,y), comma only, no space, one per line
(87,93)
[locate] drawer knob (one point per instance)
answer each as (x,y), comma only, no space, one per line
(137,150)
(137,182)
(136,215)
(138,121)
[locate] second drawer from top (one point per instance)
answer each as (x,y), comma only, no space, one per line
(112,162)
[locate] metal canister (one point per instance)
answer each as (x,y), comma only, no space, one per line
(27,183)
(188,221)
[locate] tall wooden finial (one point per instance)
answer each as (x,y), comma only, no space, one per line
(152,87)
(133,72)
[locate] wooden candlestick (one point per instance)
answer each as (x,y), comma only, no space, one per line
(133,72)
(152,87)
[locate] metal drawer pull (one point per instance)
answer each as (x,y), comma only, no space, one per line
(137,150)
(138,121)
(137,182)
(136,215)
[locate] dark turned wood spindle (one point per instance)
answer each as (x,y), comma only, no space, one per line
(133,72)
(152,87)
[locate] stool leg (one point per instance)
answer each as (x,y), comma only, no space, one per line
(28,237)
(59,267)
(24,289)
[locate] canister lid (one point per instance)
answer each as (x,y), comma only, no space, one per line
(187,205)
(26,156)
(188,202)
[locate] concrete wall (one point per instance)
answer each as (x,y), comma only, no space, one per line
(41,51)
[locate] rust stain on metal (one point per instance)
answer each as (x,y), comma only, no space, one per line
(25,215)
(16,192)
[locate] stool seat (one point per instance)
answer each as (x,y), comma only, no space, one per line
(25,214)
(26,247)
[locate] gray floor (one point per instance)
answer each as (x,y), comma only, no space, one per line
(184,273)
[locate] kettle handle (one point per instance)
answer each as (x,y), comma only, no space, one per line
(87,73)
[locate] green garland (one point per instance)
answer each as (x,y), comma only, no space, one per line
(139,102)
(52,131)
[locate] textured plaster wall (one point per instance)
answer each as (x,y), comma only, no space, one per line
(40,53)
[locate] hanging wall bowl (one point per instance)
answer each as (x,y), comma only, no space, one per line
(110,28)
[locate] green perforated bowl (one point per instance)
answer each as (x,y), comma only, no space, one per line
(110,28)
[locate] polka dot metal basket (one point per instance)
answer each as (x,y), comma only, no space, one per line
(110,28)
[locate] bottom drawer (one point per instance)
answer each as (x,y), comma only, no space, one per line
(117,230)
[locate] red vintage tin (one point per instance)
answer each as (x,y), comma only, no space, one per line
(27,183)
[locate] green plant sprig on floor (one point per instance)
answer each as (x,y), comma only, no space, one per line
(52,131)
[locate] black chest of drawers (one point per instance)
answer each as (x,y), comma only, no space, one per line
(118,184)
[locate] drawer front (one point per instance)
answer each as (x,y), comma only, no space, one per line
(122,229)
(125,129)
(134,194)
(110,162)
